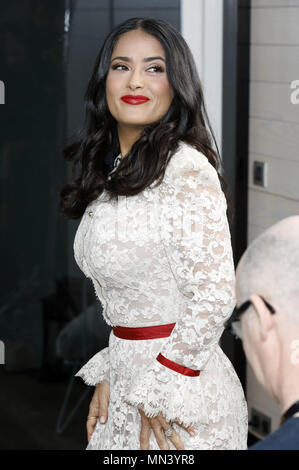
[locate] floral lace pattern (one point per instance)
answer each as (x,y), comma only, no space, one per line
(159,257)
(96,370)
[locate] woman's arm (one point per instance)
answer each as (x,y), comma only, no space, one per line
(200,257)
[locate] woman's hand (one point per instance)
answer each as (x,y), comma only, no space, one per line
(98,407)
(158,424)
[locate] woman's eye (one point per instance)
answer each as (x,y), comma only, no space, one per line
(116,66)
(157,67)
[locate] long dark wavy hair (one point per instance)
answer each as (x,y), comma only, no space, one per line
(146,161)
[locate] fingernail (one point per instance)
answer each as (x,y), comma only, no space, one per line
(102,419)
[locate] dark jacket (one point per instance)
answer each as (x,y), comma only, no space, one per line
(285,438)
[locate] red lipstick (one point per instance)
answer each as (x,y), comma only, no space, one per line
(134,99)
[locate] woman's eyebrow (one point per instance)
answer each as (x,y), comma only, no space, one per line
(146,59)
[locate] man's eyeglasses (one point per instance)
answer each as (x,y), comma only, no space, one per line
(238,312)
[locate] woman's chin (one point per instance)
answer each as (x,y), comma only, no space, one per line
(135,123)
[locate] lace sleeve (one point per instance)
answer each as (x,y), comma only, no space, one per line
(200,257)
(96,370)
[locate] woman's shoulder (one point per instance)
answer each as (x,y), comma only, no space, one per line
(188,161)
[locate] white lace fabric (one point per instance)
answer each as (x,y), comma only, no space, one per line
(96,370)
(160,257)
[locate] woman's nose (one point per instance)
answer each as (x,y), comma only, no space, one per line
(135,79)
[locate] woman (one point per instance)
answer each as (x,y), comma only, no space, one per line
(154,238)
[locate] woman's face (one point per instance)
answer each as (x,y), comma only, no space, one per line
(135,74)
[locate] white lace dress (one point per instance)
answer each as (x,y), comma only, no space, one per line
(165,256)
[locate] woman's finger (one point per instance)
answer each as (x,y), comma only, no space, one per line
(174,437)
(159,425)
(90,426)
(159,433)
(93,414)
(103,400)
(189,429)
(98,407)
(145,432)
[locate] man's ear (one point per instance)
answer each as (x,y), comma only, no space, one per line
(257,302)
(264,317)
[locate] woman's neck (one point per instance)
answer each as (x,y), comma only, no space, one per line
(127,136)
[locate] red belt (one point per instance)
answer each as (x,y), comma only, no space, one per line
(152,332)
(144,332)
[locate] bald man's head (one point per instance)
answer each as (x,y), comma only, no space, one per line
(270,267)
